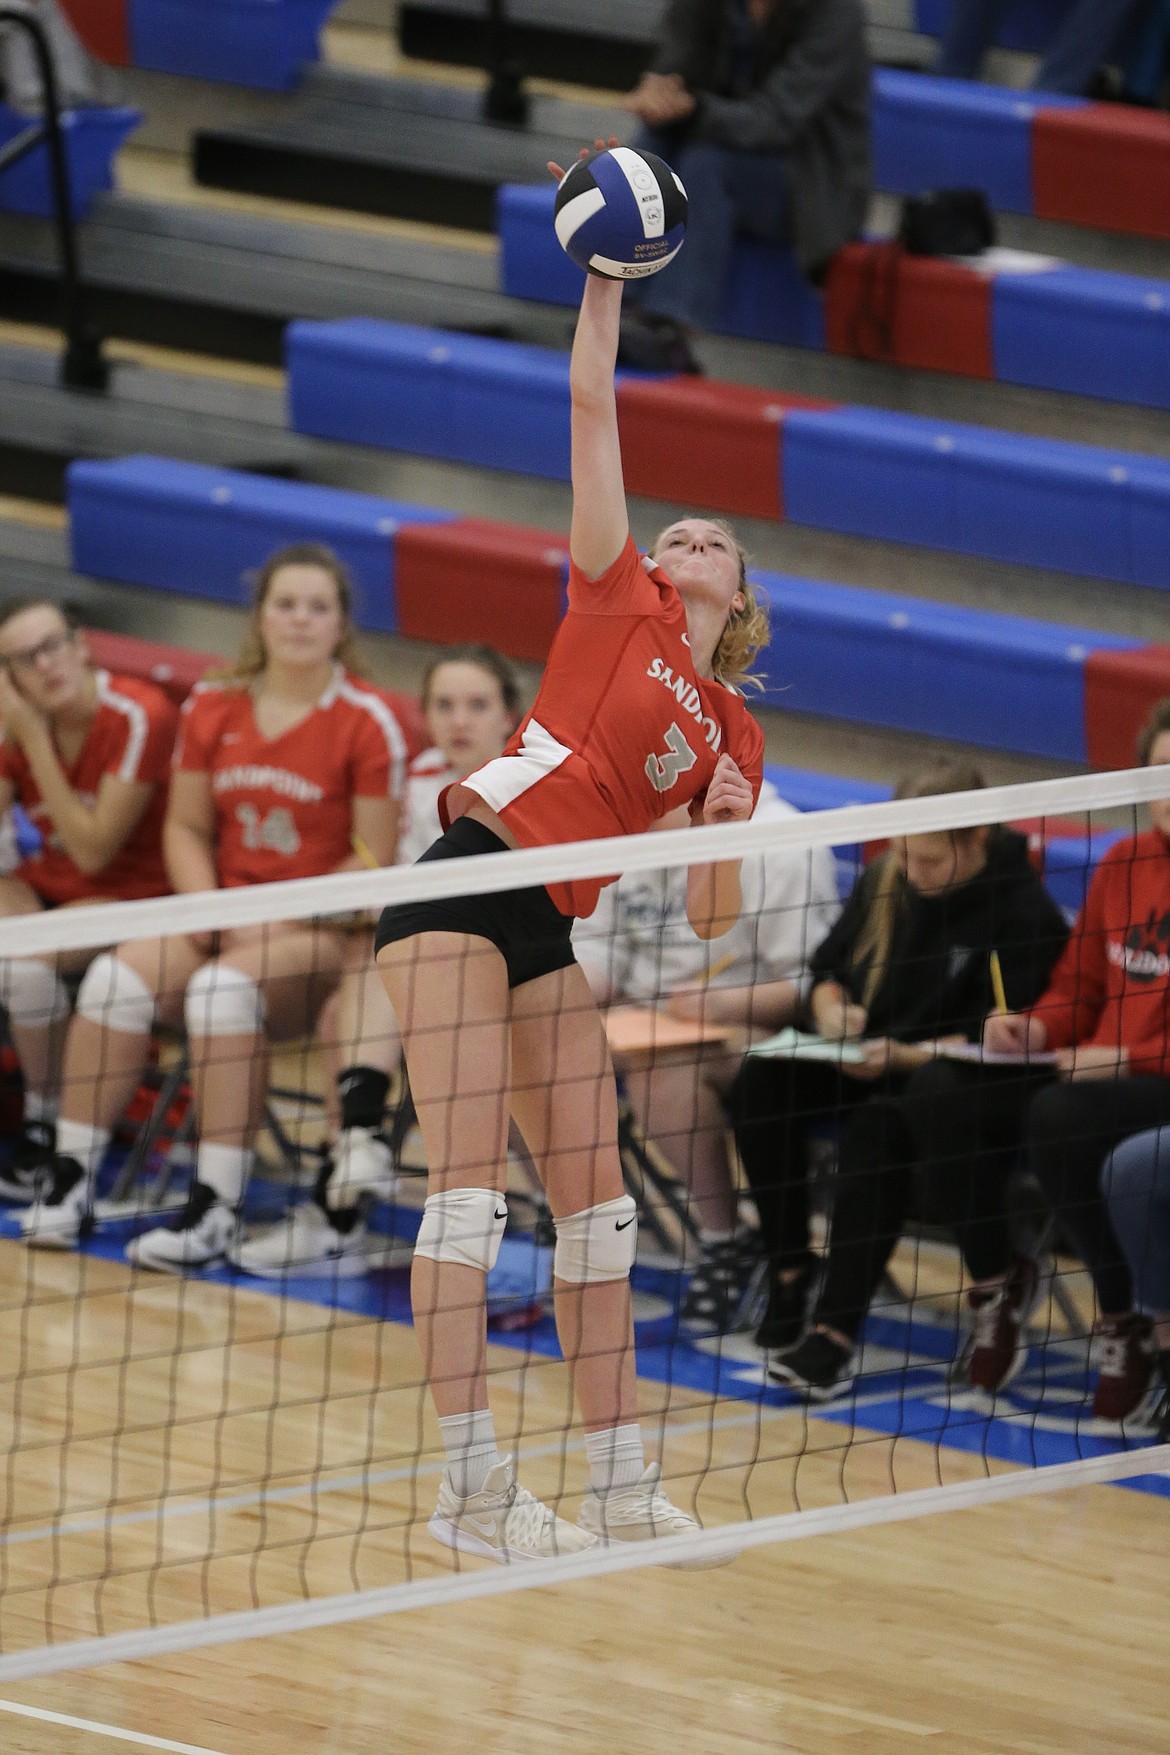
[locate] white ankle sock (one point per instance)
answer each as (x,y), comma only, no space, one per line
(470,1443)
(225,1169)
(77,1139)
(616,1457)
(41,1106)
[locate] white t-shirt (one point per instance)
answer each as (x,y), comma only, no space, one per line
(642,945)
(425,779)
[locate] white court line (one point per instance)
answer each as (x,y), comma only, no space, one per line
(705,1547)
(113,1732)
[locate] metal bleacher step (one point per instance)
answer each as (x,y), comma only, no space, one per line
(415,148)
(225,283)
(44,427)
(418,148)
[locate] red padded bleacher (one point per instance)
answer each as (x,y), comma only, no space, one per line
(104,28)
(176,670)
(1120,689)
(1105,166)
(704,443)
(883,304)
(475,580)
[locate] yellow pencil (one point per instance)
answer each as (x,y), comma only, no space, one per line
(1001,1004)
(717,968)
(364,854)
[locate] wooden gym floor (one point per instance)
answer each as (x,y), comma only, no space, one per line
(1033,1627)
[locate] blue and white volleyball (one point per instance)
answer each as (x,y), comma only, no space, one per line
(621,213)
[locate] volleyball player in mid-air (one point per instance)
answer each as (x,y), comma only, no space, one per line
(636,715)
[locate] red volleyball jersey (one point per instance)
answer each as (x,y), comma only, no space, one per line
(623,730)
(283,805)
(1111,987)
(131,737)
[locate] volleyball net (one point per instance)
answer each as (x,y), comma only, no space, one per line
(223,1451)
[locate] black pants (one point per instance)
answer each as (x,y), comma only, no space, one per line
(775,1105)
(973,1127)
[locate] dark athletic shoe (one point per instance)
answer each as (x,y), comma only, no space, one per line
(787,1313)
(997,1350)
(818,1368)
(721,1282)
(1126,1354)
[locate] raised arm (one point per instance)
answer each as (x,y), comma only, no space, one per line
(600,524)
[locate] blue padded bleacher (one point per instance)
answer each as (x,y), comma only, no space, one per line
(458,397)
(262,43)
(1085,331)
(1052,327)
(766,298)
(865,656)
(955,133)
(1036,502)
(197,530)
(860,471)
(971,676)
(92,135)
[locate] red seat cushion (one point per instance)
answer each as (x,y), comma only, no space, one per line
(502,584)
(1120,690)
(1104,166)
(702,443)
(103,27)
(911,310)
(173,668)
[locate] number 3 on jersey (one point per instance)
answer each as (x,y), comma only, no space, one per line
(663,771)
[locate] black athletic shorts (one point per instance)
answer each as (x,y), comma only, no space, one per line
(526,926)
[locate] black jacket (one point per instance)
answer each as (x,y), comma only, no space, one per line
(938,979)
(810,101)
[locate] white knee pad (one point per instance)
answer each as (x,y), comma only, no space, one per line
(597,1244)
(115,996)
(32,992)
(222,1001)
(465,1225)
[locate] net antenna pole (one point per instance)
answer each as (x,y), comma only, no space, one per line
(505,99)
(83,366)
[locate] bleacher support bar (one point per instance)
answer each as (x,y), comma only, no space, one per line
(83,366)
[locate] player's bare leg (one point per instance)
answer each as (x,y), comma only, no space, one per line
(565,1102)
(450,994)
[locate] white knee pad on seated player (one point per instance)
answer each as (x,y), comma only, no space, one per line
(222,1001)
(115,996)
(32,992)
(597,1244)
(464,1225)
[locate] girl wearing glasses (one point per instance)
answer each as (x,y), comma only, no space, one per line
(87,756)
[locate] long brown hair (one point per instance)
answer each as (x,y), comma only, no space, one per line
(887,884)
(746,630)
(252,659)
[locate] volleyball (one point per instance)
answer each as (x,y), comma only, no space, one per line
(621,213)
